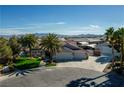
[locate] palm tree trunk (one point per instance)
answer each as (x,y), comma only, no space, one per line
(51,58)
(112,55)
(30,52)
(122,54)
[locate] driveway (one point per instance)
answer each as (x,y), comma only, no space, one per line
(61,77)
(87,64)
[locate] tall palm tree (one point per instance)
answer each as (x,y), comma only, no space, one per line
(110,37)
(29,41)
(121,38)
(52,44)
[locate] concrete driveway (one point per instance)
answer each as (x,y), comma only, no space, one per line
(86,64)
(61,77)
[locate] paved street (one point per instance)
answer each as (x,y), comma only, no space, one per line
(60,77)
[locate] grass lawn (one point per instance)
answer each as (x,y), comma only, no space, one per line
(27,63)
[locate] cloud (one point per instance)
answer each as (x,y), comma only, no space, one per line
(90,29)
(68,30)
(60,23)
(32,28)
(94,26)
(47,24)
(12,31)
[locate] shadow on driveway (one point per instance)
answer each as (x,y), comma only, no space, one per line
(18,72)
(112,81)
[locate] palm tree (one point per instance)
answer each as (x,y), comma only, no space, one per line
(110,37)
(29,41)
(51,44)
(121,38)
(15,46)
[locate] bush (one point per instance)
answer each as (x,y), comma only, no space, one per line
(119,71)
(50,64)
(27,63)
(11,67)
(86,56)
(1,66)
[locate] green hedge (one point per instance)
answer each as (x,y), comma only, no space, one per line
(27,63)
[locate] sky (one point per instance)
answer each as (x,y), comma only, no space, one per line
(67,20)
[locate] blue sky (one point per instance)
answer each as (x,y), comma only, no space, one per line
(69,20)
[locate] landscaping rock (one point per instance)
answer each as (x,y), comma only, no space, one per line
(5,69)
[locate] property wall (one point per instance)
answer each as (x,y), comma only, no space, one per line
(69,56)
(64,56)
(79,56)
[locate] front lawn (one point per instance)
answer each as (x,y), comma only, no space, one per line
(27,63)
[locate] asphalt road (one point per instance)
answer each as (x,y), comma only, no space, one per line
(61,77)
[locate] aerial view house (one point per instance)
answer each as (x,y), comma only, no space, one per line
(61,46)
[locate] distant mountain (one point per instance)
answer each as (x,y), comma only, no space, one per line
(41,34)
(89,35)
(45,34)
(6,36)
(59,35)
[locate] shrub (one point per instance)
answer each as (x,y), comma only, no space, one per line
(50,64)
(26,63)
(86,57)
(1,66)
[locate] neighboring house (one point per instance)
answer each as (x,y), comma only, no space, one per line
(95,40)
(70,52)
(36,52)
(87,41)
(106,50)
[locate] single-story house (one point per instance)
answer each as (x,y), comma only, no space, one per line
(87,41)
(95,40)
(35,52)
(106,50)
(70,52)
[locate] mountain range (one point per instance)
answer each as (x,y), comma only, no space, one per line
(59,35)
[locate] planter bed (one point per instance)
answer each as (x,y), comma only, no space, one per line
(27,63)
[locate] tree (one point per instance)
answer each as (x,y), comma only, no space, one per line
(3,41)
(29,41)
(111,38)
(51,44)
(121,38)
(15,46)
(5,51)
